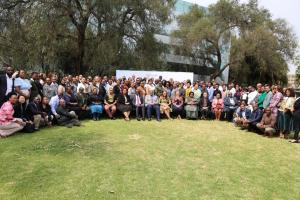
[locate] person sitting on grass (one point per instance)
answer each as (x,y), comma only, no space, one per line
(110,102)
(8,124)
(267,124)
(20,112)
(95,102)
(36,114)
(242,115)
(124,104)
(165,102)
(54,101)
(65,117)
(152,103)
(47,109)
(254,119)
(217,106)
(191,107)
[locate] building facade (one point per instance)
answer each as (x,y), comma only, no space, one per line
(178,62)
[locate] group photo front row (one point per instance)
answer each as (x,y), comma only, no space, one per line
(31,102)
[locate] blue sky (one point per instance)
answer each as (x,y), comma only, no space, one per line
(287,9)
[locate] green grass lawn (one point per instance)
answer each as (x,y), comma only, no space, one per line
(148,160)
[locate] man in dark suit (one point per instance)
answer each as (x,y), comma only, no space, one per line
(7,83)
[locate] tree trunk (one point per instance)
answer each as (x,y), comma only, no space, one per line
(81,51)
(218,65)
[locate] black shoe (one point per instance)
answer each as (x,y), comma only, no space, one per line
(138,119)
(143,119)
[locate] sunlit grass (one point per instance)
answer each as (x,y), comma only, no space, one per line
(148,160)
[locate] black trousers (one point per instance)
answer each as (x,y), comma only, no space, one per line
(229,115)
(140,111)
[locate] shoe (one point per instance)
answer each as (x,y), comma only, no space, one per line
(149,119)
(159,120)
(138,119)
(294,141)
(94,118)
(143,119)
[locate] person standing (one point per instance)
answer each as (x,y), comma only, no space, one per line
(7,84)
(275,100)
(296,117)
(37,88)
(269,95)
(48,90)
(23,85)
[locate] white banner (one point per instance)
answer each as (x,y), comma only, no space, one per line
(176,76)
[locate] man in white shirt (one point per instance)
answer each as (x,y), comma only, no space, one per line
(232,90)
(251,97)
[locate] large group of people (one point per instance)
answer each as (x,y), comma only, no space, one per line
(30,103)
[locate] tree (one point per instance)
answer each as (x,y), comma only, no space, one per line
(298,69)
(259,45)
(81,35)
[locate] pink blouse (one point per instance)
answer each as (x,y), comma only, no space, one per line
(218,103)
(6,113)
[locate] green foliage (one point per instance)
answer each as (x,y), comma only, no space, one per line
(260,46)
(76,36)
(298,69)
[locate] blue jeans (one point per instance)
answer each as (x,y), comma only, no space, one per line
(153,107)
